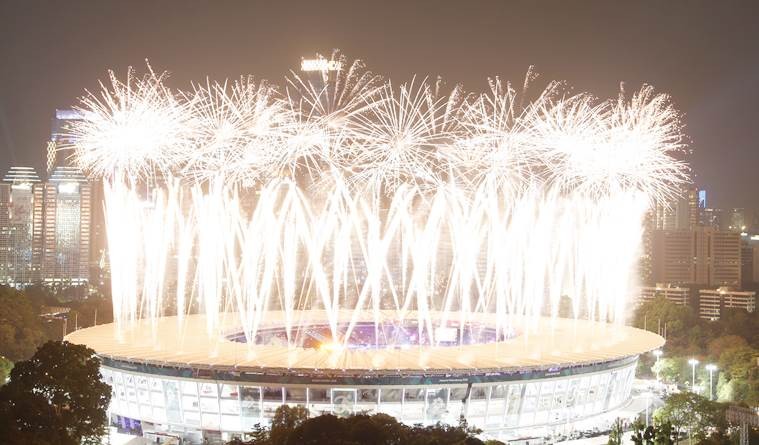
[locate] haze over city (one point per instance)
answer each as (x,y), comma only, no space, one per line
(701,54)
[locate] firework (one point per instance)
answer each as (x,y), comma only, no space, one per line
(347,193)
(135,129)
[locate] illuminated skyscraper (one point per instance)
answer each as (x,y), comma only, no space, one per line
(57,154)
(68,208)
(20,226)
(66,247)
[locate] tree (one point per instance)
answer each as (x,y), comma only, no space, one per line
(321,430)
(358,429)
(739,379)
(86,309)
(286,419)
(56,397)
(372,431)
(690,412)
(739,322)
(615,435)
(566,308)
(5,369)
(21,329)
(724,343)
(738,362)
(670,369)
(679,320)
(663,434)
(642,435)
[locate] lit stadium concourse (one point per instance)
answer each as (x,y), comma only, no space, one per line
(546,375)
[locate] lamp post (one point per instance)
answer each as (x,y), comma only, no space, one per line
(693,362)
(711,367)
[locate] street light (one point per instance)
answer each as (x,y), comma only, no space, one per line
(693,362)
(711,367)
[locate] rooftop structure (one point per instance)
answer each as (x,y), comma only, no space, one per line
(712,301)
(675,294)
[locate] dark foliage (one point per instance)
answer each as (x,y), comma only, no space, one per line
(291,426)
(22,331)
(56,397)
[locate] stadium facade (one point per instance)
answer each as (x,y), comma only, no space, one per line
(550,372)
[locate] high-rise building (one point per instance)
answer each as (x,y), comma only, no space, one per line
(67,212)
(701,257)
(749,261)
(702,199)
(673,257)
(57,152)
(45,227)
(747,264)
(680,214)
(713,218)
(712,301)
(724,254)
(59,155)
(98,239)
(737,220)
(20,226)
(74,232)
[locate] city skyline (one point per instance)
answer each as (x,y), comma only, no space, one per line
(703,53)
(488,222)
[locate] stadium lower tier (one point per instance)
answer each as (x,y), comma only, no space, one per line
(564,372)
(195,409)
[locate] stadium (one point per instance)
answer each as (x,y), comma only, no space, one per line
(351,245)
(544,372)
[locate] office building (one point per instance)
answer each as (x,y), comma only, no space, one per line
(713,218)
(712,301)
(674,294)
(724,256)
(749,261)
(66,245)
(737,220)
(701,257)
(58,153)
(682,213)
(20,227)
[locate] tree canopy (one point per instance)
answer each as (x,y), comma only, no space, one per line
(5,369)
(56,397)
(291,426)
(21,329)
(678,320)
(689,412)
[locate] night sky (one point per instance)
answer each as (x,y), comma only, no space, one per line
(705,54)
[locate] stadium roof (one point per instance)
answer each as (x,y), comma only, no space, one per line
(540,343)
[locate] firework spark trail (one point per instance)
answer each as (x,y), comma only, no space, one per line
(355,195)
